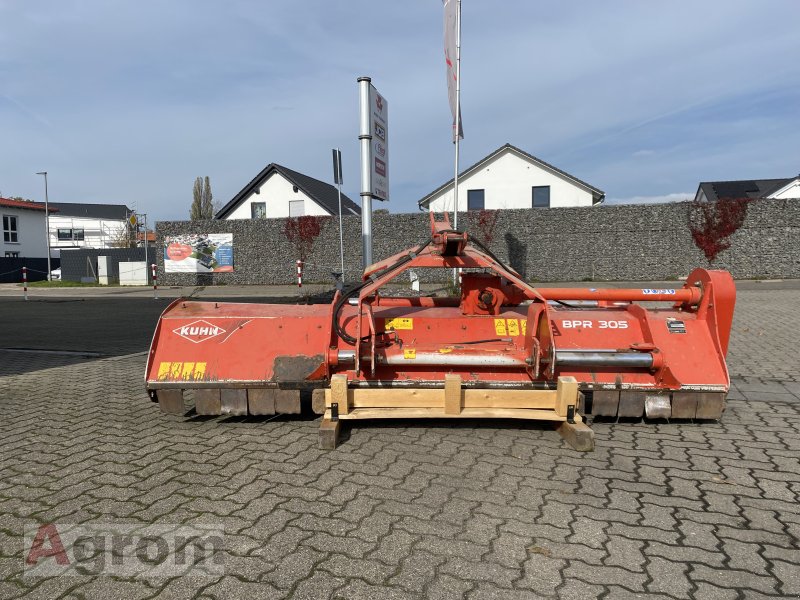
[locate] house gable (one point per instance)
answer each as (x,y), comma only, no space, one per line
(275,193)
(790,190)
(507,177)
(276,187)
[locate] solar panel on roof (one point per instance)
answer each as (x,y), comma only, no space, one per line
(734,189)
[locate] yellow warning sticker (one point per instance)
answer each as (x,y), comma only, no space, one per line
(409,353)
(181,371)
(500,326)
(399,323)
(513,327)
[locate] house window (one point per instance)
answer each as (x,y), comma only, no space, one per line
(10,233)
(12,254)
(475,200)
(541,196)
(258,210)
(297,208)
(70,234)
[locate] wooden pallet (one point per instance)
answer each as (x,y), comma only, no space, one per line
(560,406)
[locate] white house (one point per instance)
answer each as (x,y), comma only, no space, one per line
(280,192)
(24,227)
(512,178)
(749,188)
(78,225)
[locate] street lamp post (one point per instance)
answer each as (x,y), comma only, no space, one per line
(46,223)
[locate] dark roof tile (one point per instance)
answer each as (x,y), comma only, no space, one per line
(743,188)
(93,211)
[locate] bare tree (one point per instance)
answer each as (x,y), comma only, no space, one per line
(122,238)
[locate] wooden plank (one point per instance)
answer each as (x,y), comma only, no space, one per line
(328,433)
(318,400)
(566,394)
(578,435)
(171,402)
(339,393)
(509,398)
(466,413)
(471,398)
(207,402)
(452,394)
(261,401)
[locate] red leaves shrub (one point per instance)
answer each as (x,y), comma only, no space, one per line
(302,231)
(713,223)
(486,223)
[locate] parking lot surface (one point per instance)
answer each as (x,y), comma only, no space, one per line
(401,510)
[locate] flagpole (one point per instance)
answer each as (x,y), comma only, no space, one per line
(457,131)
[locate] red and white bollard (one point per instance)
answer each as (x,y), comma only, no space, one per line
(25,282)
(155,281)
(299,273)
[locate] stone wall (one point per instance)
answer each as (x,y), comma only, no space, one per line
(607,242)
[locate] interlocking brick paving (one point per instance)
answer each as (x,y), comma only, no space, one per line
(497,509)
(408,510)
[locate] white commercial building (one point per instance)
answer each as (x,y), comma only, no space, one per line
(78,225)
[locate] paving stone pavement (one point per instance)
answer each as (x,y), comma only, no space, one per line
(415,510)
(764,338)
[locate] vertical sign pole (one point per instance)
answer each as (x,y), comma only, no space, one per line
(155,281)
(458,113)
(365,138)
(25,282)
(299,273)
(337,178)
(457,131)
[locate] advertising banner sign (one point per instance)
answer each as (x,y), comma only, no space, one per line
(379,159)
(198,253)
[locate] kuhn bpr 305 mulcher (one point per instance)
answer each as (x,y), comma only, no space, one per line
(503,349)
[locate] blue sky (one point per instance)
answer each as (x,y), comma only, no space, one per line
(128,102)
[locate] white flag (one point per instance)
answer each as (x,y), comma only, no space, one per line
(450,56)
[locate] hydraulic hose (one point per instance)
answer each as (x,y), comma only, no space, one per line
(354,289)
